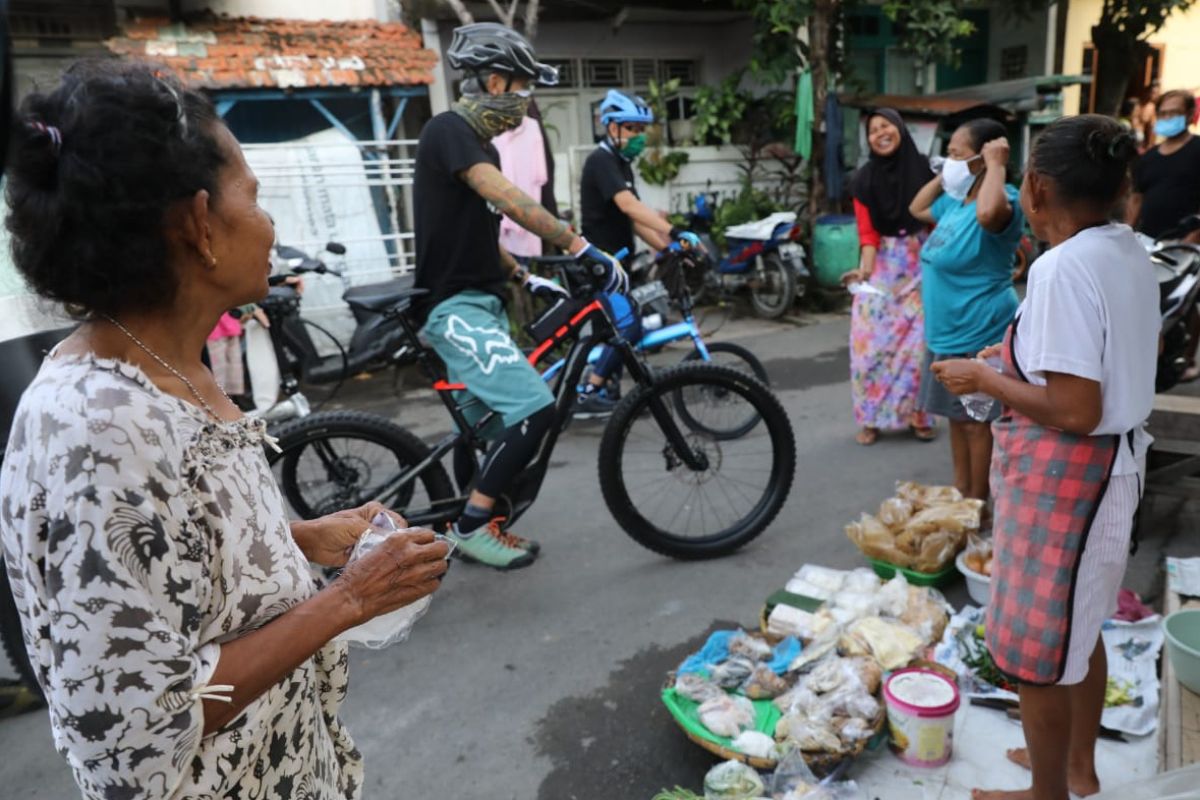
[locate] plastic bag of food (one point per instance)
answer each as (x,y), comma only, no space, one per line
(895,511)
(862,581)
(927,613)
(831,673)
(752,647)
(785,620)
(793,777)
(727,715)
(733,672)
(851,700)
(755,744)
(937,550)
(892,644)
(875,540)
(816,581)
(809,735)
(867,671)
(696,688)
(816,650)
(797,700)
(764,684)
(958,517)
(978,557)
(858,604)
(892,600)
(853,730)
(732,780)
(394,626)
(940,496)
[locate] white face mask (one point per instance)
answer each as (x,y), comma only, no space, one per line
(957,178)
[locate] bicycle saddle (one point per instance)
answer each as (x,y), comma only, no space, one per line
(388,295)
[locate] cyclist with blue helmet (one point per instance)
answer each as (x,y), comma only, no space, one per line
(459,191)
(612,215)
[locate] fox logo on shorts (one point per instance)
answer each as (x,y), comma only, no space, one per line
(487,347)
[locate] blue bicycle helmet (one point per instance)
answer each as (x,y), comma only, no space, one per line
(620,108)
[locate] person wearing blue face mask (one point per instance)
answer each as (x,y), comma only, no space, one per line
(966,280)
(1166,186)
(1166,179)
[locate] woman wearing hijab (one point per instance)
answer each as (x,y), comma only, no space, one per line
(887,328)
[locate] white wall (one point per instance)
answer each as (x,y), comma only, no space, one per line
(293,9)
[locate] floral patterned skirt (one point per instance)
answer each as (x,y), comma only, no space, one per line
(887,339)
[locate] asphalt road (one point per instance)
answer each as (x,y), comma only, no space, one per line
(543,684)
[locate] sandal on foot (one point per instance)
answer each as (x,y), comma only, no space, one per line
(867,436)
(923,434)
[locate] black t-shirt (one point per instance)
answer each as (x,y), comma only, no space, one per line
(1169,185)
(457,232)
(605,175)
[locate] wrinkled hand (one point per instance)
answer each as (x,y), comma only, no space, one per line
(329,540)
(400,571)
(544,287)
(995,153)
(959,375)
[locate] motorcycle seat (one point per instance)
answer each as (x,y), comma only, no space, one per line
(395,294)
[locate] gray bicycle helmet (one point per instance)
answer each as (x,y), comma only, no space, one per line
(490,46)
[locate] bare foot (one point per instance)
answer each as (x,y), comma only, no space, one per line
(867,436)
(1080,785)
(984,794)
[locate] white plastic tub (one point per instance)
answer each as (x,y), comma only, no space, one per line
(978,586)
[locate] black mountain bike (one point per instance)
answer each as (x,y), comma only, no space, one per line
(680,470)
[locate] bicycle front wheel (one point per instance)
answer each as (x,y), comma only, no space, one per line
(332,461)
(682,491)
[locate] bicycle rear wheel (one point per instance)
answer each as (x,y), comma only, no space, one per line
(740,486)
(332,461)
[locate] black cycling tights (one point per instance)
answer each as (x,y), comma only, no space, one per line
(508,455)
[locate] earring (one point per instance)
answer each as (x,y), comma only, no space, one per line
(213,263)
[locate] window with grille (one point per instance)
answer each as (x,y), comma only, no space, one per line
(684,70)
(568,72)
(61,22)
(1013,62)
(604,72)
(642,71)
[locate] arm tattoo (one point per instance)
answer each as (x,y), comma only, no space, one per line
(490,184)
(509,264)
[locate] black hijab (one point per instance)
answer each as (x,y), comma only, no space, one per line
(887,184)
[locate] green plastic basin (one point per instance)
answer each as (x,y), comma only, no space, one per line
(1183,646)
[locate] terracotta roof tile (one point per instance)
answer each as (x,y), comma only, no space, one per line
(212,52)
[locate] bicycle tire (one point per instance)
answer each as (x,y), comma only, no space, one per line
(294,437)
(11,636)
(753,367)
(772,265)
(617,434)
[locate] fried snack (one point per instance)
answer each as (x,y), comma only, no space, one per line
(727,715)
(895,511)
(809,736)
(764,684)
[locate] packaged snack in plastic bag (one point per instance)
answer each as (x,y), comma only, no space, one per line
(927,613)
(892,644)
(850,700)
(922,497)
(862,580)
(732,780)
(854,729)
(867,671)
(786,620)
(958,517)
(895,511)
(876,540)
(394,626)
(892,599)
(732,672)
(754,743)
(810,735)
(936,551)
(727,715)
(797,700)
(793,780)
(752,647)
(831,673)
(696,687)
(764,684)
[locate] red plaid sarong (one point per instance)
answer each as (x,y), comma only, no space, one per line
(1047,485)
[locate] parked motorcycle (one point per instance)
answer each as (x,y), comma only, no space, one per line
(1177,266)
(764,256)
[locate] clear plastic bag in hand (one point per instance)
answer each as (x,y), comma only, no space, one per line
(394,626)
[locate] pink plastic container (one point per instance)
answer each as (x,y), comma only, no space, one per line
(920,707)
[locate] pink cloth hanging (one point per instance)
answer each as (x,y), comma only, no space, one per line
(523,161)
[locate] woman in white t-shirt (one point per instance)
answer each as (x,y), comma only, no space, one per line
(1077,387)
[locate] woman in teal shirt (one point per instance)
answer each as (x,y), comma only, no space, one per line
(966,275)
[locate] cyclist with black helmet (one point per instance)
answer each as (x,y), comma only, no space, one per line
(612,214)
(459,193)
